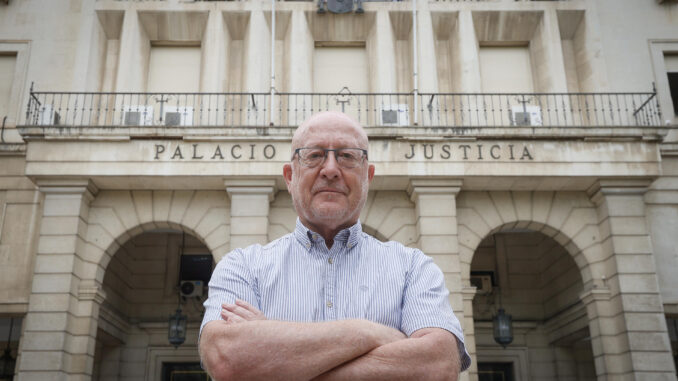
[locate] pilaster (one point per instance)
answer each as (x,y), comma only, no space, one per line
(60,328)
(547,50)
(436,211)
(428,71)
(213,78)
(299,47)
(634,340)
(250,204)
(467,294)
(383,55)
(467,48)
(257,53)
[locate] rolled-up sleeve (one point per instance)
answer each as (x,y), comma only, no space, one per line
(231,280)
(426,303)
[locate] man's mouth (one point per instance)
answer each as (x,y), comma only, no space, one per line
(328,190)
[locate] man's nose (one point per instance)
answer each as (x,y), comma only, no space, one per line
(330,167)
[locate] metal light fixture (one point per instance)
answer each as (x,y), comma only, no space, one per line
(502,323)
(176,332)
(503,328)
(7,362)
(177,328)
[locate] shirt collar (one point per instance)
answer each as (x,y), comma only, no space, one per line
(348,237)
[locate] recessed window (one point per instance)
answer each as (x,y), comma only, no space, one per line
(174,69)
(505,69)
(671,63)
(7,66)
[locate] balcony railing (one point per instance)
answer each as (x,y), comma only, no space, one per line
(370,109)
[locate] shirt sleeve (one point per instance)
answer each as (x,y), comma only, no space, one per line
(426,303)
(231,280)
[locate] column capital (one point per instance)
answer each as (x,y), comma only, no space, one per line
(468,292)
(90,290)
(617,187)
(68,186)
(439,186)
(595,294)
(250,187)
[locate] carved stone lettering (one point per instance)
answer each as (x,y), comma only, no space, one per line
(177,152)
(466,152)
(159,148)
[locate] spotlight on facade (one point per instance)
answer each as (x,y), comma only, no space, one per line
(177,328)
(503,328)
(7,362)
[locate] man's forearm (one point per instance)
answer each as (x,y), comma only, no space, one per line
(432,355)
(266,349)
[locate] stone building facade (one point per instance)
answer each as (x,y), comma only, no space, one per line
(521,144)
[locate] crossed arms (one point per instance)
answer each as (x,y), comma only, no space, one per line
(247,346)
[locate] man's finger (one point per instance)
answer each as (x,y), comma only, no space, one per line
(231,317)
(240,311)
(250,308)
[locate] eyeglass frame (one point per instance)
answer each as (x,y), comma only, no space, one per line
(326,151)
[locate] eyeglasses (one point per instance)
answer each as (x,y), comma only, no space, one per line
(346,157)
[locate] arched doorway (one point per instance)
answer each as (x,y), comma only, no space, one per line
(142,289)
(534,279)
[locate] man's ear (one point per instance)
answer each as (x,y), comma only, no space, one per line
(287,174)
(370,172)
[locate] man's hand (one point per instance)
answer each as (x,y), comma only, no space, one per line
(240,312)
(429,354)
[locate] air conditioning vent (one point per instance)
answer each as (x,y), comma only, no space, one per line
(191,288)
(47,116)
(395,115)
(137,115)
(482,283)
(526,115)
(178,116)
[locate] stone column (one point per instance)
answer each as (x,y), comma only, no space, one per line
(60,327)
(628,329)
(436,211)
(250,201)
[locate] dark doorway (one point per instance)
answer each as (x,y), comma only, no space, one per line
(183,371)
(495,371)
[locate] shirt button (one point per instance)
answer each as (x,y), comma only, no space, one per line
(329,304)
(330,261)
(349,245)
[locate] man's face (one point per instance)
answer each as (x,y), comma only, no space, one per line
(328,197)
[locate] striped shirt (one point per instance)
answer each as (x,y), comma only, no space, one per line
(297,278)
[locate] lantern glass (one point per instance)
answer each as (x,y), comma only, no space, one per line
(177,328)
(503,328)
(7,364)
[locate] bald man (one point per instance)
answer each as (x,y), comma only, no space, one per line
(328,301)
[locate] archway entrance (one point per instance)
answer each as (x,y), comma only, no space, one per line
(142,287)
(534,279)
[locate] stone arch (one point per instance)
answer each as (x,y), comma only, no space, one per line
(569,218)
(116,216)
(390,216)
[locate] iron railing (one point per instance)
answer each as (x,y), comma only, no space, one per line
(370,109)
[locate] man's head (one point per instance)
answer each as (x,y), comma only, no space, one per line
(329,196)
